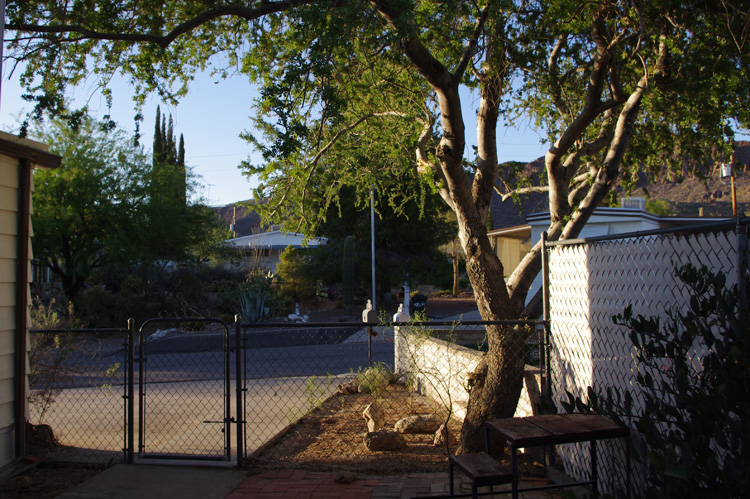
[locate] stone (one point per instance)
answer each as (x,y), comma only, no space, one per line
(344,477)
(444,433)
(349,388)
(384,440)
(422,423)
(375,417)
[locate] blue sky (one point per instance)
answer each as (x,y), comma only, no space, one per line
(211,117)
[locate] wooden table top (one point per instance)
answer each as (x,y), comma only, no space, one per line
(556,429)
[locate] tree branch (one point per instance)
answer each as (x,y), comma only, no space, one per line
(249,14)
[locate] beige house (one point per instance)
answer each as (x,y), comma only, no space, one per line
(18,157)
(511,245)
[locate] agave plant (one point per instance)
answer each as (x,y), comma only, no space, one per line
(255,294)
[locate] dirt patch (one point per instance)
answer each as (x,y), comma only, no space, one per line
(47,480)
(331,438)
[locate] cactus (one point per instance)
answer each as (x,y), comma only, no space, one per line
(348,275)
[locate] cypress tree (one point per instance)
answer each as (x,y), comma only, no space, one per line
(158,141)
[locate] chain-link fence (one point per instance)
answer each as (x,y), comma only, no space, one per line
(592,280)
(78,401)
(302,395)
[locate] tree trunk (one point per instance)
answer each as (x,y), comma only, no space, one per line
(495,386)
(456,261)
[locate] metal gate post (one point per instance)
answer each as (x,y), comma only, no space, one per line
(546,315)
(141,392)
(227,393)
(240,399)
(131,391)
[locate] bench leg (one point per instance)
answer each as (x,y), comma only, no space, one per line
(450,477)
(514,470)
(594,471)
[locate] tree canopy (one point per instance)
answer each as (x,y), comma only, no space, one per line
(88,212)
(102,207)
(355,92)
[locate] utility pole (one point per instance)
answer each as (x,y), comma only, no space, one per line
(372,238)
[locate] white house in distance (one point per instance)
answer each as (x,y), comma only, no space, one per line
(265,248)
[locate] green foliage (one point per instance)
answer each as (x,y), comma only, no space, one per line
(296,282)
(659,207)
(348,274)
(86,212)
(95,306)
(694,376)
(100,209)
(376,378)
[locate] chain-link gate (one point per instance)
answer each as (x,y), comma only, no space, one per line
(185,389)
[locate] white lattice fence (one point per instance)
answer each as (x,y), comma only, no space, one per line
(588,285)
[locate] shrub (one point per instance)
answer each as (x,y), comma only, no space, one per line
(295,281)
(376,378)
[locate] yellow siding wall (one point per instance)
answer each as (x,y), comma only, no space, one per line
(8,231)
(510,251)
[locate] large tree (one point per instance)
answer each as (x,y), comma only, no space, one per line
(88,212)
(615,84)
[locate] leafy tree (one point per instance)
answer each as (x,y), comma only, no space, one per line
(86,211)
(350,91)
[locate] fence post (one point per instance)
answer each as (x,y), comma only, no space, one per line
(546,316)
(741,248)
(131,391)
(240,401)
(400,316)
(368,316)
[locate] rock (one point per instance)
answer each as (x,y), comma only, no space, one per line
(349,388)
(344,477)
(422,423)
(384,440)
(375,417)
(441,435)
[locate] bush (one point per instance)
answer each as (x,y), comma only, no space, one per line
(295,280)
(376,378)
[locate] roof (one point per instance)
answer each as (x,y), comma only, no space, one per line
(275,239)
(669,220)
(36,152)
(517,232)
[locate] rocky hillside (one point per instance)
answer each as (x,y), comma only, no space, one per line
(247,221)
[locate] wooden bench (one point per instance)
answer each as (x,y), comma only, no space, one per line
(482,469)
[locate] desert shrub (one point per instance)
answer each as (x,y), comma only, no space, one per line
(376,378)
(296,282)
